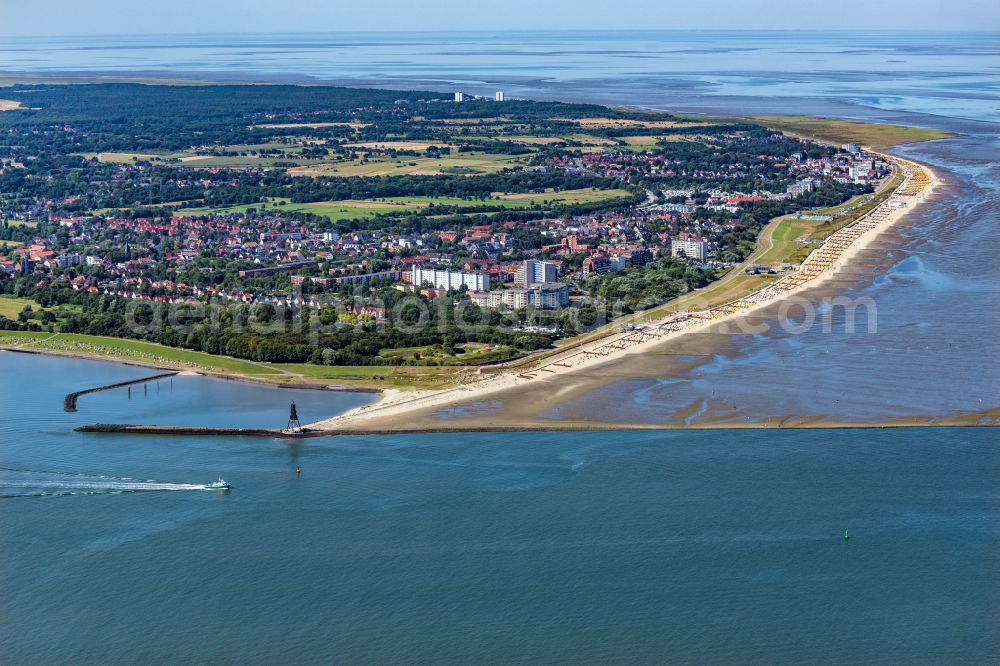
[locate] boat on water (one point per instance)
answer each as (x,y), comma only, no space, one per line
(218,485)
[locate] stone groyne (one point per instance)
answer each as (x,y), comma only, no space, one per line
(124,428)
(69,402)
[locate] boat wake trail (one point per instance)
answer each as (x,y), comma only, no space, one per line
(16,483)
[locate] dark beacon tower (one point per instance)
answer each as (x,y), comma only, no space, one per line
(293,420)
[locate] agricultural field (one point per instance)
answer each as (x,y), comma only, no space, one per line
(201,156)
(560,198)
(398,145)
(311,125)
(333,210)
(500,120)
(124,158)
(461,164)
(641,143)
(239,161)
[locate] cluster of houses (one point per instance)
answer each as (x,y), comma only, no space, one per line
(850,165)
(481,262)
(477,261)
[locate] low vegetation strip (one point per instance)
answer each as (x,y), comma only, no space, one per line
(121,349)
(873,135)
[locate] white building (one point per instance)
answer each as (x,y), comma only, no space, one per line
(857,173)
(459,97)
(691,248)
(543,296)
(67,260)
(448,279)
(678,208)
(800,187)
(499,96)
(534,271)
(549,295)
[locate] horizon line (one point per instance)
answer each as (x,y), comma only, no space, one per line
(370,31)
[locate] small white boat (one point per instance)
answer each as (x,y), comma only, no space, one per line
(218,485)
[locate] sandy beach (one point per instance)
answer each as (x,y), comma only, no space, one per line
(561,374)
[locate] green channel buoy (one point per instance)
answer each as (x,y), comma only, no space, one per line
(846,535)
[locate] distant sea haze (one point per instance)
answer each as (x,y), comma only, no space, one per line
(948,74)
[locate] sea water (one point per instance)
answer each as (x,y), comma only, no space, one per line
(951,74)
(711,546)
(924,341)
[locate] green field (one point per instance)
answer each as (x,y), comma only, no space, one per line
(469,354)
(116,349)
(873,135)
(370,208)
(566,197)
(641,143)
(333,210)
(833,211)
(372,376)
(110,157)
(10,307)
(240,161)
(199,158)
(460,164)
(130,350)
(785,247)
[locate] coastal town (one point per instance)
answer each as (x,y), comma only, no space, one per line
(502,225)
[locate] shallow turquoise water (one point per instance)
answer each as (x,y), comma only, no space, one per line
(951,74)
(709,547)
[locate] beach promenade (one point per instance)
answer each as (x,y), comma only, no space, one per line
(392,410)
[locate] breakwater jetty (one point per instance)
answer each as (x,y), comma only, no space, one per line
(69,402)
(127,429)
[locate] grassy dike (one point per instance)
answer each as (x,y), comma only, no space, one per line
(160,356)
